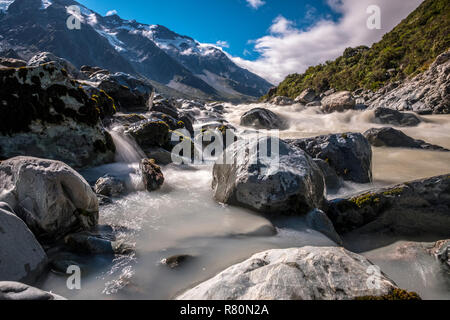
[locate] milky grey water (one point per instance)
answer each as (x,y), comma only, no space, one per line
(182,217)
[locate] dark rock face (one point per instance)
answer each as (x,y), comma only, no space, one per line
(349,154)
(176,261)
(415,208)
(12,63)
(292,185)
(332,181)
(396,118)
(148,133)
(261,118)
(46,114)
(390,137)
(151,174)
(167,111)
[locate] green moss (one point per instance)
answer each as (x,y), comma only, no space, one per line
(404,52)
(365,199)
(393,192)
(395,294)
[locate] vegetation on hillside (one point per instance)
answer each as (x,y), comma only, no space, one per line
(406,51)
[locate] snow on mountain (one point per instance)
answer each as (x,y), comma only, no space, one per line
(4,4)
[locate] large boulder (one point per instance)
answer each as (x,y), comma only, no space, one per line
(390,137)
(18,291)
(291,185)
(429,92)
(417,208)
(44,113)
(338,102)
(21,256)
(395,118)
(52,198)
(308,273)
(261,118)
(109,186)
(349,154)
(307,96)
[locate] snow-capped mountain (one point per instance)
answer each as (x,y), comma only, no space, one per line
(153,51)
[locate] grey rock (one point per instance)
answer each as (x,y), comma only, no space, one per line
(332,181)
(109,186)
(390,137)
(261,118)
(282,101)
(308,273)
(441,250)
(319,221)
(349,154)
(292,185)
(48,195)
(307,96)
(338,102)
(149,133)
(45,57)
(21,256)
(396,118)
(417,208)
(18,291)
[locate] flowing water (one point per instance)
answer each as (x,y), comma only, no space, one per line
(182,218)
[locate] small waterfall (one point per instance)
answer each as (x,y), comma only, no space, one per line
(127,150)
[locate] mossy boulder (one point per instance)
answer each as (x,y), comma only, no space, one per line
(150,133)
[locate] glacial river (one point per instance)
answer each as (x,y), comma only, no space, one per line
(182,217)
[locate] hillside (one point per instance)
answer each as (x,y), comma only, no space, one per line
(405,51)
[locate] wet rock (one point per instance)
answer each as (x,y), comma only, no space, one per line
(319,221)
(48,195)
(151,174)
(46,114)
(160,155)
(390,137)
(176,261)
(19,291)
(12,63)
(128,119)
(332,180)
(338,102)
(96,243)
(109,186)
(21,256)
(426,93)
(292,185)
(441,250)
(308,273)
(314,104)
(416,208)
(395,118)
(307,96)
(261,118)
(148,133)
(282,101)
(349,154)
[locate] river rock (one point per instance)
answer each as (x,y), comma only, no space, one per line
(308,273)
(149,133)
(45,113)
(292,185)
(19,291)
(319,221)
(261,118)
(417,208)
(48,195)
(109,186)
(282,101)
(396,118)
(349,154)
(21,256)
(151,174)
(307,96)
(332,181)
(338,102)
(441,250)
(429,92)
(390,137)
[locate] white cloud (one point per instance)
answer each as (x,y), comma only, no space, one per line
(223,44)
(255,4)
(111,13)
(287,49)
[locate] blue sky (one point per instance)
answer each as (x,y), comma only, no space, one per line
(233,21)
